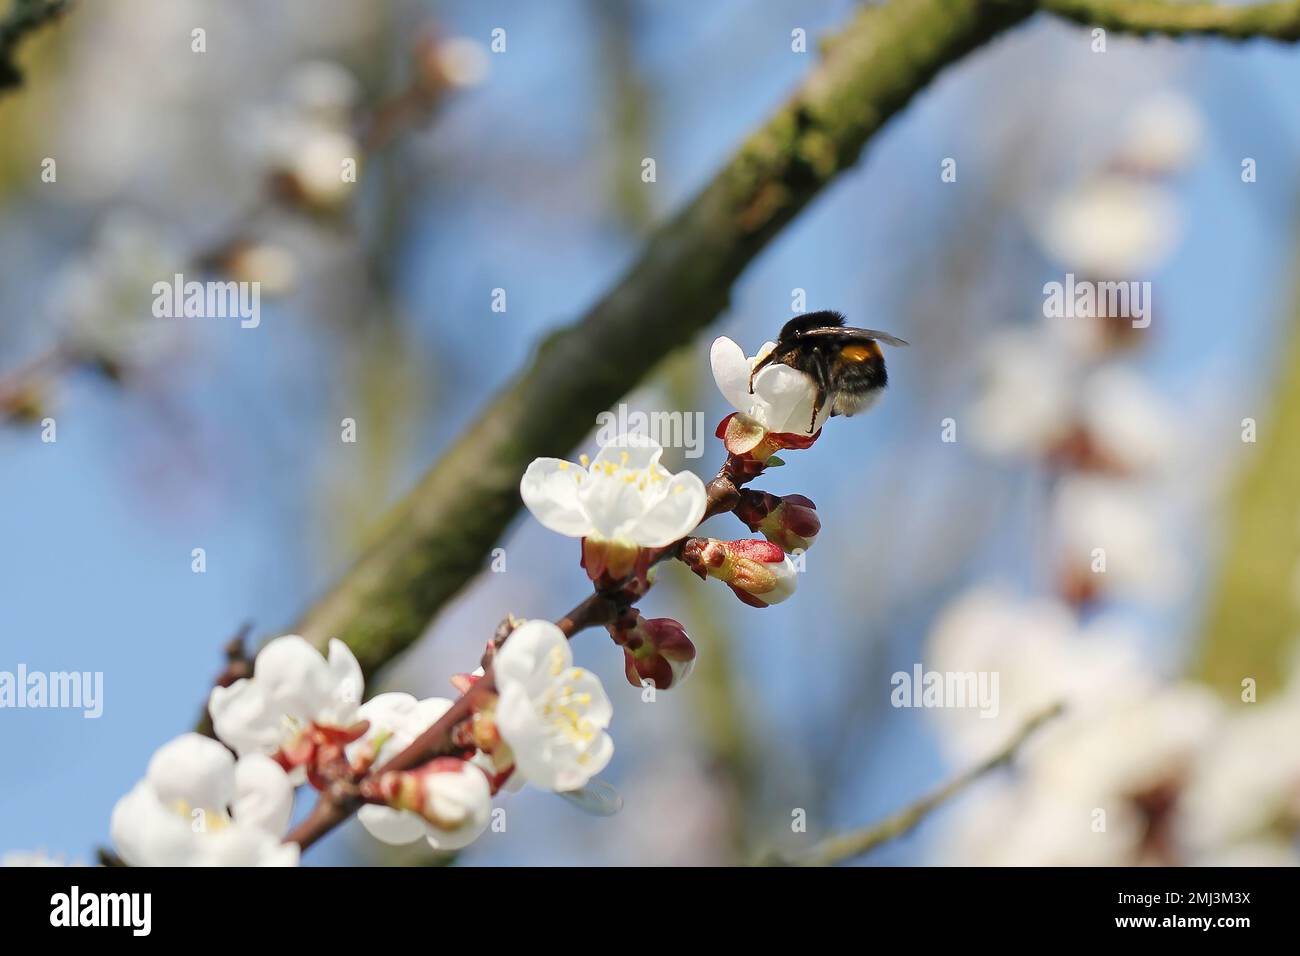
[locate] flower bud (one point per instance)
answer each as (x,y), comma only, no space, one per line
(758,571)
(450,794)
(790,521)
(609,562)
(655,649)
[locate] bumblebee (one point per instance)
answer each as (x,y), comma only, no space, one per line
(845,363)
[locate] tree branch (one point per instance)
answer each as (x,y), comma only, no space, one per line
(436,539)
(25,17)
(855,843)
(1277,21)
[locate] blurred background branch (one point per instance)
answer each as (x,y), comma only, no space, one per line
(24,17)
(840,849)
(1254,614)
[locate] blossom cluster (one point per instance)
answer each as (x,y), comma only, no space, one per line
(1139,769)
(529,715)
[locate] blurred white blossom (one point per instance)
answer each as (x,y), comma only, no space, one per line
(1112,227)
(1161,134)
(198,806)
(293,689)
(1111,534)
(103,301)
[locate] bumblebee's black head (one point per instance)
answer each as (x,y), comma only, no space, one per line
(811,320)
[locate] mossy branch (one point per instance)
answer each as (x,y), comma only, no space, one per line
(1276,21)
(24,18)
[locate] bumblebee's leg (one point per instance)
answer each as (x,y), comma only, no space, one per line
(758,367)
(818,402)
(822,376)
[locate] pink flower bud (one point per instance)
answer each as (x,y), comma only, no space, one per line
(790,521)
(656,649)
(758,571)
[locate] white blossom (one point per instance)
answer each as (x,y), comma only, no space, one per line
(198,806)
(1040,656)
(1247,781)
(103,300)
(1026,402)
(1097,518)
(783,397)
(1113,227)
(292,687)
(1161,134)
(551,714)
(1130,423)
(624,496)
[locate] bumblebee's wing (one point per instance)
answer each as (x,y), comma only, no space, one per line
(849,335)
(597,798)
(882,337)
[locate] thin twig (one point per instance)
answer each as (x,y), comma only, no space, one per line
(846,846)
(22,388)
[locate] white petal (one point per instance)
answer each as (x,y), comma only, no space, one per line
(195,770)
(521,728)
(387,713)
(400,717)
(245,718)
(295,677)
(731,371)
(599,712)
(146,833)
(347,685)
(789,395)
(544,758)
(631,450)
(395,827)
(614,502)
(787,579)
(428,711)
(674,515)
(263,795)
(549,489)
(244,846)
(532,650)
(463,796)
(598,756)
(458,839)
